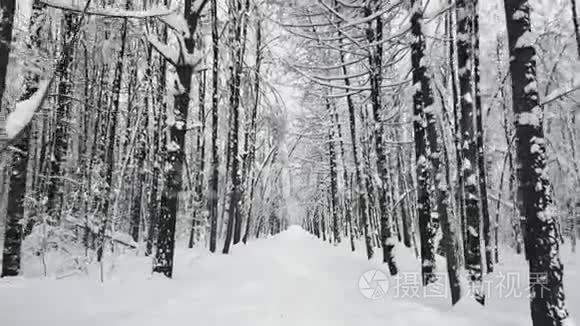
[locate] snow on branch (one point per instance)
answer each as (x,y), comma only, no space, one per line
(165,50)
(373,16)
(24,111)
(342,94)
(175,58)
(559,93)
(12,127)
(353,5)
(176,22)
(330,67)
(341,77)
(108,12)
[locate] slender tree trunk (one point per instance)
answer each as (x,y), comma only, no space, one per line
(347,200)
(423,111)
(472,199)
(407,223)
(199,182)
(576,25)
(251,134)
(234,228)
(547,299)
(240,174)
(158,139)
(359,174)
(333,183)
(140,153)
(482,170)
(214,167)
(7,8)
(375,34)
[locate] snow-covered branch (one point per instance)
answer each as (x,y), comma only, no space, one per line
(108,12)
(559,93)
(175,22)
(165,50)
(22,115)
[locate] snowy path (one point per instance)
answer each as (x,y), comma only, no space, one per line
(291,279)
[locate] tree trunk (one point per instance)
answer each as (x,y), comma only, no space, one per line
(423,113)
(347,200)
(482,170)
(13,231)
(250,149)
(175,158)
(406,217)
(214,167)
(472,199)
(199,182)
(576,25)
(359,173)
(6,25)
(547,300)
(234,227)
(333,183)
(158,139)
(375,62)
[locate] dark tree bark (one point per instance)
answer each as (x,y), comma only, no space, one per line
(140,154)
(423,112)
(369,226)
(234,227)
(250,149)
(347,200)
(15,210)
(576,25)
(472,199)
(13,232)
(241,50)
(158,139)
(547,300)
(360,176)
(375,35)
(333,183)
(6,25)
(451,230)
(214,166)
(175,158)
(481,166)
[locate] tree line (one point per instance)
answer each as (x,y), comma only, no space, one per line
(422,159)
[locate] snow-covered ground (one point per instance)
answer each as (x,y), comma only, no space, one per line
(290,279)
